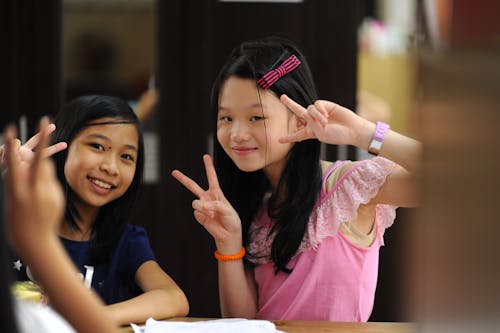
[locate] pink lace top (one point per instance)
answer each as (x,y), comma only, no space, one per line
(332,278)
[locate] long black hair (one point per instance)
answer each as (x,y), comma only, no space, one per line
(300,182)
(113,217)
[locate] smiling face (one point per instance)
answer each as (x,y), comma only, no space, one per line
(101,163)
(248,127)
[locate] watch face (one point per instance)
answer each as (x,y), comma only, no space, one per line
(375,147)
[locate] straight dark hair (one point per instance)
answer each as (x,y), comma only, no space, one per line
(113,217)
(300,182)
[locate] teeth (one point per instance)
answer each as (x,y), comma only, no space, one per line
(101,184)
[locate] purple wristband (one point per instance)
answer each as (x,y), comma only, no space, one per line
(381,130)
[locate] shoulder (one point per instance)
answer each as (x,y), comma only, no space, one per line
(134,248)
(133,237)
(350,184)
(132,231)
(372,170)
(347,186)
(333,171)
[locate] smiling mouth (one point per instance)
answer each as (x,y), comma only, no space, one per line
(101,184)
(243,149)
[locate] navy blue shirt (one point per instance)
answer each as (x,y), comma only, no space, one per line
(113,280)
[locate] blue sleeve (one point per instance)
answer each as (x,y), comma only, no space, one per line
(137,249)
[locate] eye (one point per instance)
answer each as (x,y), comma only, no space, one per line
(256,118)
(225,119)
(96,146)
(128,157)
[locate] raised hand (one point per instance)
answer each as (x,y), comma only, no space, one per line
(27,151)
(36,202)
(35,209)
(325,121)
(213,211)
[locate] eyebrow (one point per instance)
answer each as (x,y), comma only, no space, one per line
(104,137)
(251,106)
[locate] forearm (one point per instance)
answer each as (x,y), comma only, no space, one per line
(158,304)
(401,185)
(59,278)
(396,147)
(237,290)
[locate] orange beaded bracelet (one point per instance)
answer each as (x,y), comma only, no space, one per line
(230,257)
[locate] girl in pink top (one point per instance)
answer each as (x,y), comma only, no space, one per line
(311,229)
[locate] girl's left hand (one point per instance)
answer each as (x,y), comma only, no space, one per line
(326,121)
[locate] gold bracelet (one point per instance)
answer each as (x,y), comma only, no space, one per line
(237,256)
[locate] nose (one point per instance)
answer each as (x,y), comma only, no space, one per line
(239,132)
(109,165)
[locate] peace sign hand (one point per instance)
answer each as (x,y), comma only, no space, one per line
(213,211)
(36,203)
(326,121)
(27,151)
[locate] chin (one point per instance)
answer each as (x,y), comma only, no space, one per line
(98,202)
(247,168)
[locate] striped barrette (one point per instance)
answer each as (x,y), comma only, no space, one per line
(274,75)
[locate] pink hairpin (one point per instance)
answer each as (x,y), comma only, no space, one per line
(275,74)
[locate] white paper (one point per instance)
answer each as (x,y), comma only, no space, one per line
(207,326)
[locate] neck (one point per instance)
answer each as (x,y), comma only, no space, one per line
(274,176)
(88,215)
(273,173)
(73,234)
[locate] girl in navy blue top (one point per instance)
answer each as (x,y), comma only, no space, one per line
(100,173)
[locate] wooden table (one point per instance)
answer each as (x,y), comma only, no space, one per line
(300,326)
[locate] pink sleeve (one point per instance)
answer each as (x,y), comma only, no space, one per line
(357,186)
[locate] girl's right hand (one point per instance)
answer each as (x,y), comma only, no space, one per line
(36,203)
(27,151)
(213,211)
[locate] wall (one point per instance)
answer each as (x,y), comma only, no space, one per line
(126,31)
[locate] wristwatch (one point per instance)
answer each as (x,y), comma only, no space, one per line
(381,130)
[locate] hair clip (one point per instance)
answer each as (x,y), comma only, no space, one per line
(274,75)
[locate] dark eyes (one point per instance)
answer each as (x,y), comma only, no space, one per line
(128,157)
(252,118)
(97,146)
(225,119)
(256,118)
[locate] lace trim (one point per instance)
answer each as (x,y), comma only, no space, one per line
(357,186)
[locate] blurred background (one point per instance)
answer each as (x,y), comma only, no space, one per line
(430,68)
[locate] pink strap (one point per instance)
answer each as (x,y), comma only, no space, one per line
(328,172)
(274,75)
(381,130)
